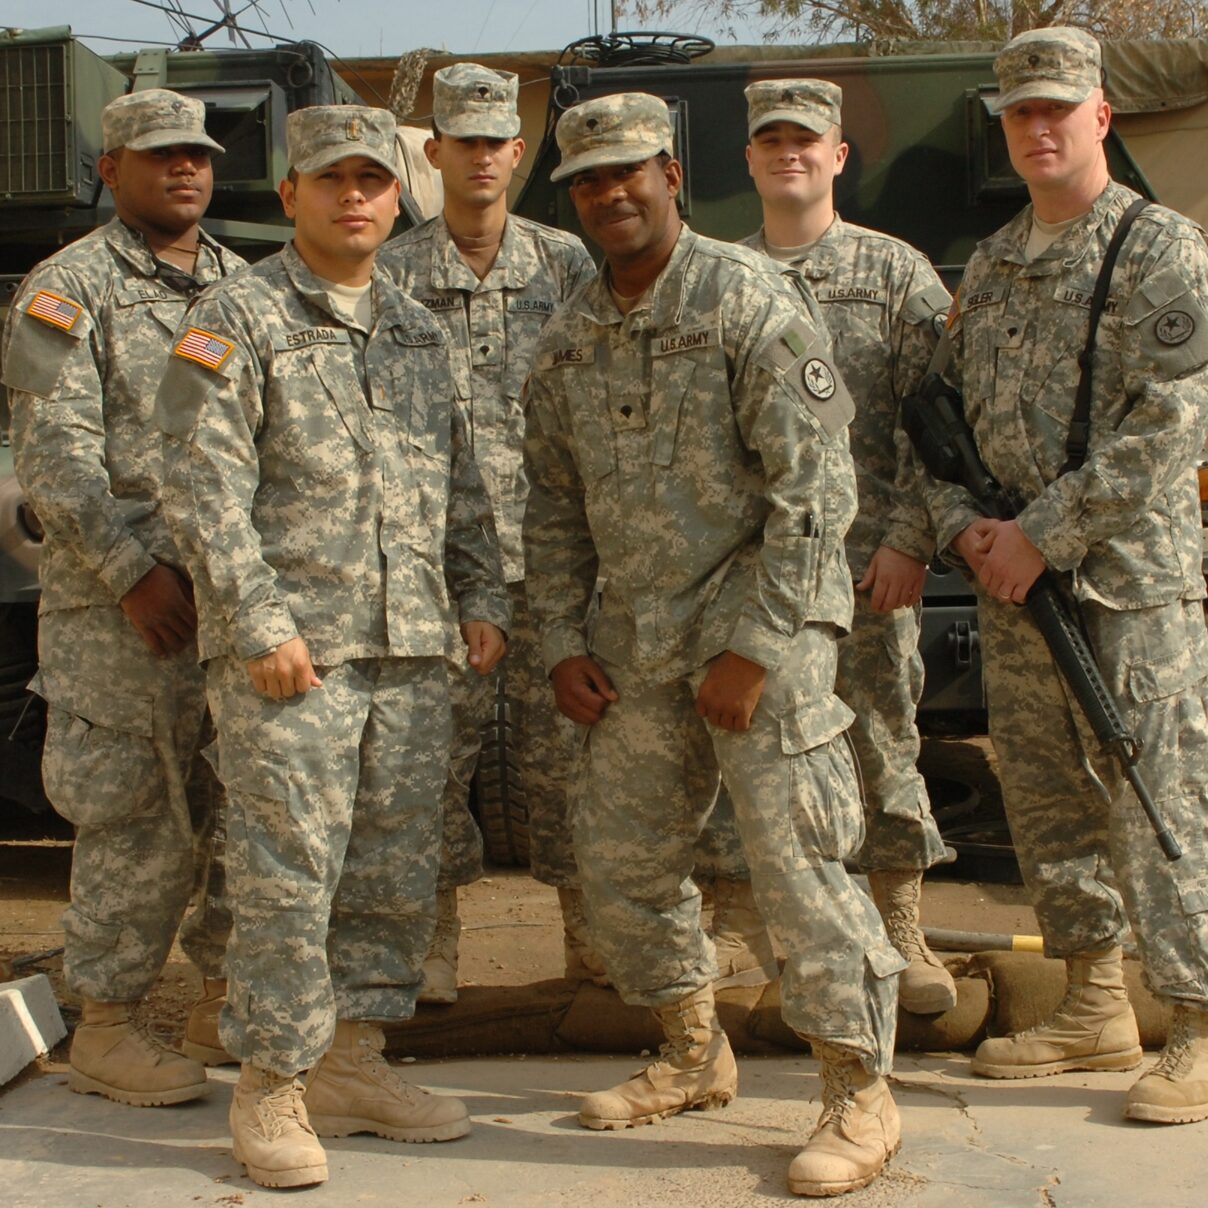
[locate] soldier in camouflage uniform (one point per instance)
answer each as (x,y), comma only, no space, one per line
(884,307)
(687,443)
(85,345)
(1122,532)
(492,279)
(320,486)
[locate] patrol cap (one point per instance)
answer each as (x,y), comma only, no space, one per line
(469,101)
(1060,63)
(152,118)
(813,104)
(321,135)
(624,128)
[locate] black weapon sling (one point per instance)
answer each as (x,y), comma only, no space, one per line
(1078,438)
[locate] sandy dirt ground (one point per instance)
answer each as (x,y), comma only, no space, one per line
(512,932)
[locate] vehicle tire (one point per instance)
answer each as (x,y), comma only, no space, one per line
(498,792)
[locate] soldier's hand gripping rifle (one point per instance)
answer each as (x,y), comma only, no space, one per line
(934,419)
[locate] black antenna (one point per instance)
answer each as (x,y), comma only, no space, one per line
(193,38)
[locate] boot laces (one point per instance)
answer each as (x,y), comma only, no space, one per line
(904,933)
(1175,1059)
(280,1110)
(838,1096)
(383,1073)
(146,1042)
(678,1046)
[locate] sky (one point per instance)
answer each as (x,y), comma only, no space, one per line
(350,28)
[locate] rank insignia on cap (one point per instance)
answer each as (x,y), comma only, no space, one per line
(352,130)
(204,347)
(50,308)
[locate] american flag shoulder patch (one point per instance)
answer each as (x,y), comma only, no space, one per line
(53,309)
(204,347)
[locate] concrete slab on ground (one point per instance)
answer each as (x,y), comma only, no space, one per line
(1060,1141)
(30,1023)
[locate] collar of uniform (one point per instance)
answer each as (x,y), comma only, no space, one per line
(450,271)
(309,285)
(132,246)
(822,255)
(393,307)
(1010,242)
(666,293)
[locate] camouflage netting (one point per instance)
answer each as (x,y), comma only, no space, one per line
(408,76)
(997,993)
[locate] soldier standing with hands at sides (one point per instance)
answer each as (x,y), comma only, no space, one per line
(492,279)
(687,443)
(1119,524)
(319,482)
(84,351)
(884,307)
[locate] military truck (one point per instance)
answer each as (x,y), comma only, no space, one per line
(928,163)
(52,91)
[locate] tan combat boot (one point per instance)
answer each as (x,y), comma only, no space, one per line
(440,965)
(583,963)
(1093,1028)
(271,1134)
(201,1040)
(857,1133)
(925,987)
(114,1055)
(744,949)
(1175,1090)
(695,1069)
(354,1089)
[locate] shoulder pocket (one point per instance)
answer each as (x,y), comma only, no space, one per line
(37,355)
(799,357)
(928,305)
(1171,322)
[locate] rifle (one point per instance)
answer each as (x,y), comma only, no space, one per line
(934,419)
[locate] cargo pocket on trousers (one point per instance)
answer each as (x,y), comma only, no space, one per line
(827,822)
(273,857)
(1177,957)
(1168,703)
(99,762)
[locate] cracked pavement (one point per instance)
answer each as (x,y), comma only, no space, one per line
(1042,1143)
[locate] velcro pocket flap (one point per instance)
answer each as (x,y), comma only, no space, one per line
(808,723)
(258,773)
(1157,679)
(96,703)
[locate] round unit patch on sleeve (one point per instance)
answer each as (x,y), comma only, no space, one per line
(204,347)
(1174,327)
(818,379)
(53,309)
